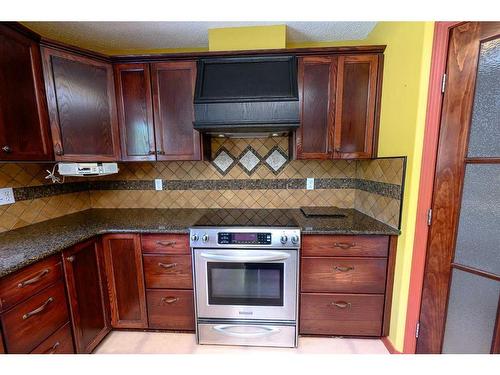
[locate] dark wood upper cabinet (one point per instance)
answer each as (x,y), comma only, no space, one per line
(135,111)
(24,121)
(338,102)
(173,93)
(86,285)
(82,110)
(123,261)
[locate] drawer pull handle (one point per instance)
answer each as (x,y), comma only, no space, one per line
(167,266)
(170,300)
(38,310)
(33,280)
(166,243)
(342,305)
(343,269)
(344,245)
(53,349)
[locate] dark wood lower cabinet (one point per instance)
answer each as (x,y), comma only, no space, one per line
(60,342)
(89,302)
(171,309)
(2,348)
(123,260)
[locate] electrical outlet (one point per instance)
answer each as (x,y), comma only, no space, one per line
(7,196)
(310,184)
(158,184)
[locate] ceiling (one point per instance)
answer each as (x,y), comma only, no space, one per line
(127,37)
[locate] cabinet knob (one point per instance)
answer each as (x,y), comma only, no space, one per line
(152,152)
(58,150)
(6,149)
(160,152)
(70,258)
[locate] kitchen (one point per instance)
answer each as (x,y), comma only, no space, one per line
(239,198)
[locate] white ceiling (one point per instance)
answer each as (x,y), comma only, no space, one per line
(129,36)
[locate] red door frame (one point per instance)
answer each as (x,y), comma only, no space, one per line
(427,171)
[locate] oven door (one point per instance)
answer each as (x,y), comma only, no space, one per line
(246,284)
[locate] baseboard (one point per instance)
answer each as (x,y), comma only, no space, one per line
(389,346)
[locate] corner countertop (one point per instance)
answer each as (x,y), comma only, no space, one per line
(24,246)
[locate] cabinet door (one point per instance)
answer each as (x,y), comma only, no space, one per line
(316,80)
(173,93)
(135,111)
(2,348)
(82,111)
(24,121)
(123,260)
(89,304)
(355,106)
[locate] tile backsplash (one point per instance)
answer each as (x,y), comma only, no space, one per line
(259,175)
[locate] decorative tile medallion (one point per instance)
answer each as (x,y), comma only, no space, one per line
(276,159)
(249,160)
(223,161)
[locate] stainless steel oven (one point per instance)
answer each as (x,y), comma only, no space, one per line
(246,285)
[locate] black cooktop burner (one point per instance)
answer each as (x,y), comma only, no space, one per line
(247,218)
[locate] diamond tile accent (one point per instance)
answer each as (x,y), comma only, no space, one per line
(249,160)
(223,161)
(276,160)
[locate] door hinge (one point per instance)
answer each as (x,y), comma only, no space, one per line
(417,330)
(429,216)
(443,83)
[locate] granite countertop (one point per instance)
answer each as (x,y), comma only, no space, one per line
(24,246)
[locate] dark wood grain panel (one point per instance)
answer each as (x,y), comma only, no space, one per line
(173,95)
(343,275)
(2,347)
(326,245)
(89,304)
(24,120)
(165,243)
(355,106)
(60,342)
(31,322)
(82,110)
(316,81)
(389,284)
(171,309)
(135,111)
(29,281)
(341,314)
(168,271)
(123,262)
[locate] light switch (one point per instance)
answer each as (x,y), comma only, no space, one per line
(158,184)
(310,184)
(7,196)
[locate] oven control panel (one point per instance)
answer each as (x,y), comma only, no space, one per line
(244,238)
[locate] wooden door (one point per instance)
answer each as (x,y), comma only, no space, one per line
(89,303)
(82,110)
(124,272)
(460,299)
(24,121)
(173,94)
(317,80)
(135,111)
(355,106)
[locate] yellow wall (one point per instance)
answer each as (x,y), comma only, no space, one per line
(247,38)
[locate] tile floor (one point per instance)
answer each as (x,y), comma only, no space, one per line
(125,342)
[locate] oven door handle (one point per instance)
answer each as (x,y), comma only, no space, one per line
(270,256)
(265,331)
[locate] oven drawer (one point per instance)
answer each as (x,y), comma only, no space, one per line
(60,342)
(165,243)
(354,246)
(341,314)
(343,275)
(166,271)
(250,334)
(29,281)
(31,322)
(171,309)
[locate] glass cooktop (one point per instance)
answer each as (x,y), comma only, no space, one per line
(247,218)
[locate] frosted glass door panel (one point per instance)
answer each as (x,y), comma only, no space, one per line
(472,310)
(485,125)
(478,239)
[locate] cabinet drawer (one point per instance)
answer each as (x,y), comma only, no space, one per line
(165,271)
(29,281)
(165,243)
(343,275)
(60,342)
(354,246)
(171,309)
(31,322)
(341,314)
